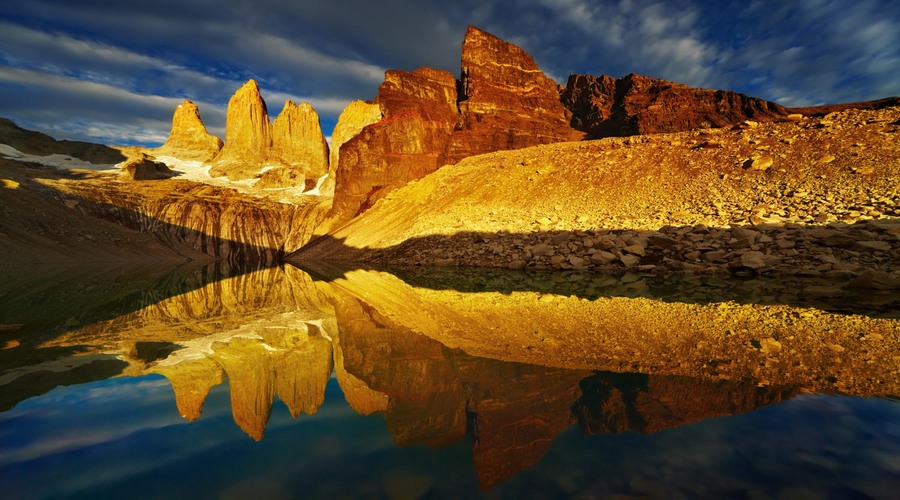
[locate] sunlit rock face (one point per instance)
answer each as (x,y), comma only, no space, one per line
(248,135)
(142,167)
(299,153)
(356,116)
(189,139)
(419,115)
(192,383)
(505,101)
(606,107)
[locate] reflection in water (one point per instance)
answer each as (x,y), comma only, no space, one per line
(395,349)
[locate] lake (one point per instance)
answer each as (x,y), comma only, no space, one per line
(208,382)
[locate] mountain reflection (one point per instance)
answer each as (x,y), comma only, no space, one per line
(395,350)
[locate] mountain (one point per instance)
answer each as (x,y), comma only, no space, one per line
(188,139)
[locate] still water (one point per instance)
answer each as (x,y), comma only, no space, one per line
(275,383)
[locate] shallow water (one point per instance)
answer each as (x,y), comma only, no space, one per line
(289,386)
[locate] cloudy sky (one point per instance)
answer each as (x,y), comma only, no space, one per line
(112,71)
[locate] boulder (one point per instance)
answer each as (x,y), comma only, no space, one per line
(143,167)
(188,139)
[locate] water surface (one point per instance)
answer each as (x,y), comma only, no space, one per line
(222,384)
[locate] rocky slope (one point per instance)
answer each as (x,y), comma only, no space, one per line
(356,116)
(755,198)
(188,139)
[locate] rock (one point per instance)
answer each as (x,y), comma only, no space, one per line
(188,139)
(758,163)
(517,264)
(769,346)
(872,246)
(630,260)
(576,261)
(505,101)
(419,115)
(353,119)
(142,167)
(753,260)
(603,106)
(635,249)
(248,135)
(602,257)
(557,260)
(875,280)
(297,144)
(660,241)
(540,249)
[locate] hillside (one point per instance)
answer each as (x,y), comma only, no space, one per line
(794,195)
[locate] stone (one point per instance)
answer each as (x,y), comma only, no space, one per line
(188,139)
(540,249)
(576,261)
(635,249)
(875,280)
(758,163)
(248,135)
(753,260)
(517,264)
(872,246)
(602,257)
(142,167)
(629,260)
(297,145)
(603,106)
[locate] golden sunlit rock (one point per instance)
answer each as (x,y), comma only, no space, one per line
(189,139)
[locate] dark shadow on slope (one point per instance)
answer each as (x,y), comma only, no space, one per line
(663,272)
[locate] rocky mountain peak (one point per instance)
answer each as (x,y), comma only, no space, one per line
(298,145)
(248,135)
(188,139)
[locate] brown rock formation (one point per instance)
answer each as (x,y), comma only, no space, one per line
(356,116)
(248,135)
(505,101)
(189,139)
(419,115)
(605,107)
(298,146)
(142,167)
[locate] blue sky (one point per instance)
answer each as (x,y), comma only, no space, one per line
(112,71)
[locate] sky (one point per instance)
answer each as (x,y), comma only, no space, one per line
(113,71)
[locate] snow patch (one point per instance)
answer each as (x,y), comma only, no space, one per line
(59,161)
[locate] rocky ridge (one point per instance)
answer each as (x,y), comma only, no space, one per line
(603,106)
(298,143)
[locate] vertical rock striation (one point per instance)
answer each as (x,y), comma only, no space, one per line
(505,101)
(188,139)
(299,152)
(248,135)
(419,116)
(355,117)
